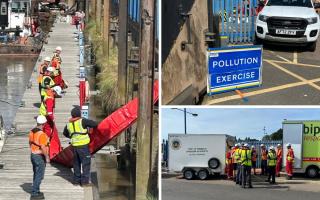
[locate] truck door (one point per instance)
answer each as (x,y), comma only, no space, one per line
(293,133)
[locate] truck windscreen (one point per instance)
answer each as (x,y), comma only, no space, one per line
(299,3)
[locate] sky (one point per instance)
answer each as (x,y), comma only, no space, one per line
(239,122)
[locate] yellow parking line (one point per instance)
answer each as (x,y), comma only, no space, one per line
(267,90)
(291,63)
(293,74)
(295,57)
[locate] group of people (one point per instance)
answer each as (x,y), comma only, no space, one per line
(45,134)
(241,161)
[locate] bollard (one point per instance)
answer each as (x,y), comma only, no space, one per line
(81,39)
(85,111)
(82,85)
(81,55)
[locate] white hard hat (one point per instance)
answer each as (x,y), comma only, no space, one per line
(58,48)
(48,59)
(236,145)
(288,145)
(262,145)
(246,145)
(50,69)
(253,147)
(41,119)
(58,90)
(279,145)
(271,148)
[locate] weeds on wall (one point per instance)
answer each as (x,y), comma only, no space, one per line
(107,78)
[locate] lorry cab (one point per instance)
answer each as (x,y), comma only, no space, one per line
(304,137)
(198,155)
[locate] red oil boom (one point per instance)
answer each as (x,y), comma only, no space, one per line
(108,129)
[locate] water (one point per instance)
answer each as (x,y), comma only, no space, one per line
(15,73)
(113,184)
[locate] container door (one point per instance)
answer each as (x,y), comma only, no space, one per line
(293,133)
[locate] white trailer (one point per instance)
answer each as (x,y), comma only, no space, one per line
(304,137)
(198,155)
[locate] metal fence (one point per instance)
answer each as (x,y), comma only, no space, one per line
(237,19)
(266,143)
(134,10)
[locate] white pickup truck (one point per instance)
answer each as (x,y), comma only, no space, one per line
(289,22)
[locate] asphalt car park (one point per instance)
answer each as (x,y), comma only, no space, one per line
(219,189)
(290,76)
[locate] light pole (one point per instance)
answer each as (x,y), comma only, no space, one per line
(185,117)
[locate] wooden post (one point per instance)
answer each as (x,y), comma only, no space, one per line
(144,134)
(122,58)
(93,8)
(106,14)
(98,16)
(123,50)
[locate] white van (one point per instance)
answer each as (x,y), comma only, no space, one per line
(198,155)
(288,21)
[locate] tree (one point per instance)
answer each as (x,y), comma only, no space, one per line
(278,135)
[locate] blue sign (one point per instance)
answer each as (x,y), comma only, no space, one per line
(234,68)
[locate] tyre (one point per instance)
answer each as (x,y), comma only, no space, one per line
(312,172)
(257,41)
(213,163)
(203,174)
(312,46)
(188,174)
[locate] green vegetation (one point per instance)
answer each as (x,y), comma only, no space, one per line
(107,78)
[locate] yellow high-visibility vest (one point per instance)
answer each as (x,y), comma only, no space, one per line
(43,107)
(79,135)
(246,157)
(44,87)
(272,159)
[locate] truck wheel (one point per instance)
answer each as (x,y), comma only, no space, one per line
(312,46)
(213,163)
(203,174)
(312,172)
(188,174)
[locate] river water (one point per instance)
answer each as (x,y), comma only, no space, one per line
(15,73)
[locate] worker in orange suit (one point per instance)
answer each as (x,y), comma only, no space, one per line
(264,157)
(279,160)
(254,159)
(289,161)
(229,164)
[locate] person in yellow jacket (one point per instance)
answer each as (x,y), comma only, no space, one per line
(77,131)
(42,68)
(47,82)
(272,162)
(246,163)
(235,158)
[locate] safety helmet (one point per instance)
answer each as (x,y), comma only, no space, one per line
(288,145)
(48,59)
(41,119)
(262,145)
(246,145)
(253,147)
(271,148)
(236,145)
(58,48)
(58,90)
(278,145)
(50,69)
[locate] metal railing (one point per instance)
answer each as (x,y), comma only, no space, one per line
(258,148)
(237,19)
